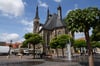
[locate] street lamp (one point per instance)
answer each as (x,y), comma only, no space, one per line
(10,43)
(10,46)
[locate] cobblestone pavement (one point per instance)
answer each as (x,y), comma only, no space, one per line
(4,59)
(13,58)
(17,61)
(50,63)
(29,58)
(82,61)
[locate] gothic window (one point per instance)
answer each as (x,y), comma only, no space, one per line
(59,32)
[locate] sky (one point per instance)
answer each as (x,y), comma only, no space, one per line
(16,16)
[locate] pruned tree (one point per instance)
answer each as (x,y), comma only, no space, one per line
(33,39)
(54,44)
(62,41)
(81,20)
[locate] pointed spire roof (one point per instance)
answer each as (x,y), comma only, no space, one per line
(48,13)
(37,15)
(59,7)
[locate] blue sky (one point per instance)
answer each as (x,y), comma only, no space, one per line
(16,16)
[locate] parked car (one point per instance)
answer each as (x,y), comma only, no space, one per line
(4,50)
(15,51)
(19,51)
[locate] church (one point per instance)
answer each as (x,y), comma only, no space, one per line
(52,27)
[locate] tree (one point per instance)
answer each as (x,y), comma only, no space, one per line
(95,37)
(62,41)
(81,20)
(54,44)
(95,44)
(32,39)
(81,44)
(25,44)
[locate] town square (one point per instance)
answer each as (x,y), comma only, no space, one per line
(49,33)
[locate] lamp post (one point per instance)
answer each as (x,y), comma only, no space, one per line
(9,49)
(10,46)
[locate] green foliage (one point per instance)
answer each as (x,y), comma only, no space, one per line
(24,44)
(95,44)
(54,43)
(59,41)
(63,40)
(80,43)
(32,38)
(81,19)
(28,35)
(96,33)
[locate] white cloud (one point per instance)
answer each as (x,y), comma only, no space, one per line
(12,7)
(28,24)
(42,4)
(7,37)
(68,11)
(79,35)
(75,7)
(57,0)
(21,40)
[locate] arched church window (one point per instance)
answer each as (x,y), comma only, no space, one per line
(59,32)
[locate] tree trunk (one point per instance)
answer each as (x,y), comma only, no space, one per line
(72,42)
(73,37)
(63,52)
(80,51)
(56,51)
(44,48)
(90,54)
(33,51)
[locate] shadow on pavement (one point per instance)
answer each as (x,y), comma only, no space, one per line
(97,63)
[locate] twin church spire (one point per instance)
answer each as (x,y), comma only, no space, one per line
(37,14)
(48,13)
(37,22)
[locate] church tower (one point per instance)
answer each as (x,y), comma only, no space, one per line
(59,12)
(36,22)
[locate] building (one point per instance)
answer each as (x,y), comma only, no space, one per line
(2,43)
(14,45)
(52,27)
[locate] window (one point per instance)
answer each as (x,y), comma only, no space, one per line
(59,32)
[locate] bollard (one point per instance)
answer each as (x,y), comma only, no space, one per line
(20,56)
(8,56)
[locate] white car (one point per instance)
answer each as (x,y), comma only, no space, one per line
(4,50)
